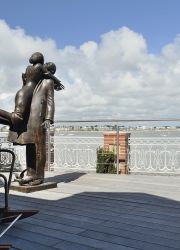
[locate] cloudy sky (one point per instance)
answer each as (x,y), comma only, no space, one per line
(117,58)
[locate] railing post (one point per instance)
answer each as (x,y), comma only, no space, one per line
(117,148)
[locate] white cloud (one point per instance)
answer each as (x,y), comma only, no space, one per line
(117,78)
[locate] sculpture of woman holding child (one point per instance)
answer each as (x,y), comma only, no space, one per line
(33,113)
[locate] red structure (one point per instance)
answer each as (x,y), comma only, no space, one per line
(110,143)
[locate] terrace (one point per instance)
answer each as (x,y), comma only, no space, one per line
(103,211)
(97,211)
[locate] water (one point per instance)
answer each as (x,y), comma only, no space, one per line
(133,133)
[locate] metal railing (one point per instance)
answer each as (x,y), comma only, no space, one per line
(153,146)
(154,155)
(154,150)
(75,153)
(5,158)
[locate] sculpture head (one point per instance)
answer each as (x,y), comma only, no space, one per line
(51,67)
(36,57)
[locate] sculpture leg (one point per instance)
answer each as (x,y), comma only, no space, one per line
(30,164)
(10,119)
(36,160)
(5,118)
(41,154)
(31,159)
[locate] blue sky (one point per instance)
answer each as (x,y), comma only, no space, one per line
(73,22)
(118,59)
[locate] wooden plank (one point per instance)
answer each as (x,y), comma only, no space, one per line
(109,203)
(54,235)
(142,235)
(105,227)
(56,220)
(66,245)
(142,224)
(24,244)
(56,225)
(24,234)
(5,246)
(107,237)
(92,215)
(103,205)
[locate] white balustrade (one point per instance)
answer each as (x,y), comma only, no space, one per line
(79,153)
(76,153)
(20,154)
(154,155)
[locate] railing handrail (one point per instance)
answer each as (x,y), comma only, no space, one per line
(122,120)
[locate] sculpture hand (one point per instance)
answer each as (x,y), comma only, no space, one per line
(58,85)
(46,124)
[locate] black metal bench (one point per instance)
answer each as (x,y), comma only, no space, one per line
(8,215)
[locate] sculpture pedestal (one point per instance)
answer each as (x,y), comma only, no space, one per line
(29,189)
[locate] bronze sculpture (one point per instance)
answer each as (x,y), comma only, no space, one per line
(33,114)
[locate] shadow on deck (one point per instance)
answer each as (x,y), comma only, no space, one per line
(96,220)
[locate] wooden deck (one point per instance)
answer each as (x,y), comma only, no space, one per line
(94,211)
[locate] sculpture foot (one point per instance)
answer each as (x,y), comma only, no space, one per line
(30,181)
(36,182)
(24,181)
(21,175)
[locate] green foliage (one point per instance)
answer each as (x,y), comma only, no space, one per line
(105,161)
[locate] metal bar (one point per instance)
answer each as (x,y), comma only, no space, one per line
(121,120)
(10,225)
(5,190)
(12,166)
(117,149)
(7,183)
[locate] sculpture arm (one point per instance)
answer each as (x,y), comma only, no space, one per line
(50,101)
(57,83)
(24,78)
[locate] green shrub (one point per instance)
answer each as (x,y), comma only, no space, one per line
(105,161)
